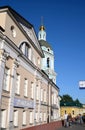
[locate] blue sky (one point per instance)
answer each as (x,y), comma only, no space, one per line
(64,21)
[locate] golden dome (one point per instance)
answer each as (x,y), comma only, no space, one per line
(42,27)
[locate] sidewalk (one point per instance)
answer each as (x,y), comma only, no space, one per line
(74,127)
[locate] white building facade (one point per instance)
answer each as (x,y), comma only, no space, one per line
(27,95)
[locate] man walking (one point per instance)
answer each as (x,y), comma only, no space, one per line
(65,119)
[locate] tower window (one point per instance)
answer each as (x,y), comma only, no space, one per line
(40,35)
(48,62)
(44,36)
(48,49)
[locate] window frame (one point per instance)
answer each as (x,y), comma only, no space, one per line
(17,90)
(24,119)
(16,118)
(6,79)
(25,87)
(26,49)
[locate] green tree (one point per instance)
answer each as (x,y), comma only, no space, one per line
(77,102)
(66,98)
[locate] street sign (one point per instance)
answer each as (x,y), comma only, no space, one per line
(82,84)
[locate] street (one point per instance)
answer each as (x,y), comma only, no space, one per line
(74,127)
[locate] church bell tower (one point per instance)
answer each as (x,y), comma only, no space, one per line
(47,64)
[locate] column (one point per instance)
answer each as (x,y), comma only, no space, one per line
(12,93)
(3,56)
(35,97)
(39,101)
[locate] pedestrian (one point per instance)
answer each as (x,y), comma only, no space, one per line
(69,119)
(80,119)
(65,119)
(83,118)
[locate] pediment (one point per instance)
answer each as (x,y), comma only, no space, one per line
(31,33)
(26,28)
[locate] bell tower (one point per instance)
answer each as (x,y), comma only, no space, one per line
(47,63)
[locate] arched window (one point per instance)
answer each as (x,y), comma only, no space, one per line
(48,62)
(26,49)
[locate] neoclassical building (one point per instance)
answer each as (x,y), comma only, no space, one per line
(29,95)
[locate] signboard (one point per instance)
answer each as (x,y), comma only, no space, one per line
(23,103)
(82,84)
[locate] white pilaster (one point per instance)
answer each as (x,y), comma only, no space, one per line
(3,56)
(12,93)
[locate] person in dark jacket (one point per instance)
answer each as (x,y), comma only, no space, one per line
(83,118)
(69,119)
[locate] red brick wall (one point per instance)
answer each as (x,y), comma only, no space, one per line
(49,126)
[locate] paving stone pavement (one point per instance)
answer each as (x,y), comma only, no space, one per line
(74,127)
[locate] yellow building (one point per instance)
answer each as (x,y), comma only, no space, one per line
(74,110)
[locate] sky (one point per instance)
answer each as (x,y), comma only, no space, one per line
(64,21)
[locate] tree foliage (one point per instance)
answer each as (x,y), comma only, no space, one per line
(67,100)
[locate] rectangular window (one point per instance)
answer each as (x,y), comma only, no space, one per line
(55,98)
(6,79)
(3,118)
(31,117)
(41,116)
(37,117)
(44,116)
(25,87)
(17,90)
(52,98)
(32,90)
(41,94)
(45,96)
(37,92)
(15,118)
(24,117)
